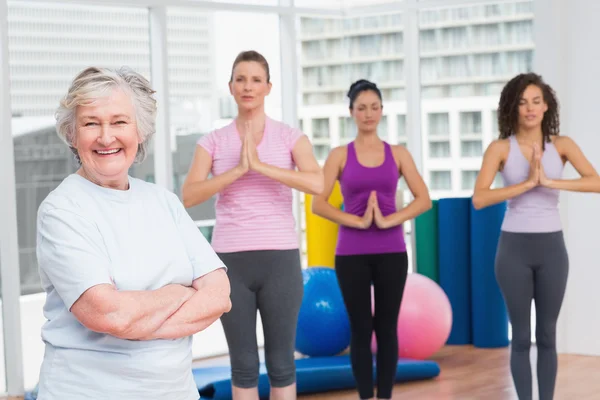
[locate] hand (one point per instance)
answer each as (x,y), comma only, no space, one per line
(244,165)
(367,219)
(251,153)
(534,166)
(380,220)
(544,181)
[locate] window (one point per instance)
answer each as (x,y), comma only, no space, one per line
(402,138)
(440,180)
(42,160)
(48,45)
(439,124)
(468,179)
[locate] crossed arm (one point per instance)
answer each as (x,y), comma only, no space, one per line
(171,312)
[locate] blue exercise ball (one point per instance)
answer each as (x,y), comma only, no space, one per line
(323,326)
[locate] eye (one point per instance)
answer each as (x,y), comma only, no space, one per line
(90,124)
(120,122)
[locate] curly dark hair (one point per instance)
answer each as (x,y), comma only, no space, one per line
(508,107)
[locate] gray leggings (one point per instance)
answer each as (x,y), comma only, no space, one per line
(269,281)
(533,266)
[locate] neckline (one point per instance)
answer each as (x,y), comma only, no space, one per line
(516,143)
(262,139)
(385,156)
(111,194)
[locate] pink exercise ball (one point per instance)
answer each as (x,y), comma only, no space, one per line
(425,319)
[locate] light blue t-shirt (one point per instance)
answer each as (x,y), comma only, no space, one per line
(140,239)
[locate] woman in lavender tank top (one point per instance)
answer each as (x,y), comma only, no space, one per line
(531,261)
(371,248)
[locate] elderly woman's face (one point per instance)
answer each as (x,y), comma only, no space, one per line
(106,137)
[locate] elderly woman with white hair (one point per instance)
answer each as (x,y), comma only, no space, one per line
(129,277)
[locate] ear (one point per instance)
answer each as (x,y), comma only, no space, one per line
(270,85)
(231,87)
(545,106)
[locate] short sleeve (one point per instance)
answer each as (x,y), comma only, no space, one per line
(293,135)
(200,253)
(208,142)
(70,254)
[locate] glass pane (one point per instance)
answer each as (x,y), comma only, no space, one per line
(342,4)
(441,180)
(202,47)
(468,179)
(467,54)
(49,44)
(251,2)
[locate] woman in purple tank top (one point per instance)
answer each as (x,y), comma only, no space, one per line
(371,248)
(531,260)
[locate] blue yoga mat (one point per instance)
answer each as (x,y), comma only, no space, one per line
(313,375)
(454,261)
(490,318)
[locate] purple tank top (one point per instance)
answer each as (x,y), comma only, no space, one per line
(537,209)
(357,182)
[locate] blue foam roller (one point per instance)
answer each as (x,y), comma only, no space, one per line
(313,375)
(489,314)
(454,261)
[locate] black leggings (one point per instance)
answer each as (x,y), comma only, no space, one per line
(533,266)
(387,272)
(269,281)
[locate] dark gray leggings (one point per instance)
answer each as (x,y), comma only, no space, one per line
(533,266)
(269,281)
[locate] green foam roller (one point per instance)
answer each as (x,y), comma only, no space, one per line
(426,231)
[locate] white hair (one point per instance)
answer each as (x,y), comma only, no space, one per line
(95,83)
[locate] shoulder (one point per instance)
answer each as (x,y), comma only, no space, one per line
(148,190)
(498,147)
(217,134)
(565,146)
(563,141)
(285,130)
(399,150)
(69,195)
(338,153)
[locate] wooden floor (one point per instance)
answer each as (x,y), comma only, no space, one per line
(468,373)
(477,374)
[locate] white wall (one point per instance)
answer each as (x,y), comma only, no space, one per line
(568,56)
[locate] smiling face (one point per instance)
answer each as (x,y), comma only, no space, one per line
(107,139)
(249,85)
(532,108)
(367,111)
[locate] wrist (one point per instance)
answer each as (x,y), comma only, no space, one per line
(358,223)
(259,166)
(239,171)
(549,183)
(529,184)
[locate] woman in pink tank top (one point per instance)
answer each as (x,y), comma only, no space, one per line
(371,248)
(531,260)
(255,163)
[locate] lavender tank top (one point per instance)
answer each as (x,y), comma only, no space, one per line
(357,182)
(537,209)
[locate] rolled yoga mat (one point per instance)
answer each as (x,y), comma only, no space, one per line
(454,259)
(489,314)
(426,238)
(313,375)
